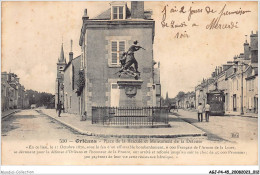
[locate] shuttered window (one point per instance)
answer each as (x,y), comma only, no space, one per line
(117,49)
(114,52)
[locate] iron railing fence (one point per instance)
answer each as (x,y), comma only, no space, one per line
(129,115)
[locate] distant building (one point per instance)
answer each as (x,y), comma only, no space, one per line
(72,100)
(187,101)
(237,79)
(12,92)
(251,89)
(59,85)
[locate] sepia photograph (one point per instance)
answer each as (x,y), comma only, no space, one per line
(129,83)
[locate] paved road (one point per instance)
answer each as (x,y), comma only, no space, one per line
(29,125)
(224,128)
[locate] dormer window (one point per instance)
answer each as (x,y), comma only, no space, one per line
(118,10)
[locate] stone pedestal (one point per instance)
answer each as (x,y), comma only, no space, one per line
(130,93)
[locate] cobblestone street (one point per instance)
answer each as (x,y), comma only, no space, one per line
(30,125)
(227,128)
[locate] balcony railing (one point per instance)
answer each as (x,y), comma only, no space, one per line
(129,116)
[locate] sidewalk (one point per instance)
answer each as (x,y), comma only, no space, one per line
(5,114)
(254,115)
(179,128)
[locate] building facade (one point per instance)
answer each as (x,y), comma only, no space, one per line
(12,92)
(103,39)
(72,99)
(237,79)
(187,101)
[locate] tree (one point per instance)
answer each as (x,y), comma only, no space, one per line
(180,95)
(39,98)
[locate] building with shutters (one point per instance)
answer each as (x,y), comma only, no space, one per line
(103,39)
(237,79)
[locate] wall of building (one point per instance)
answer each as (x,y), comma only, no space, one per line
(99,75)
(12,92)
(71,99)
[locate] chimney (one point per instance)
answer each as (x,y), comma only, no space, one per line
(71,53)
(246,49)
(85,16)
(220,69)
(254,47)
(137,9)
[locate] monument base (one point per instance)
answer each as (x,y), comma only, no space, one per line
(130,93)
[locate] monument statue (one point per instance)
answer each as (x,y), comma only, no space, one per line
(128,59)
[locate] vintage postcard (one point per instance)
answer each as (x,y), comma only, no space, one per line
(129,83)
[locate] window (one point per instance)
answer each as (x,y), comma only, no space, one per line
(118,12)
(117,49)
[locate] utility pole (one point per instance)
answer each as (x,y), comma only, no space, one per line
(242,94)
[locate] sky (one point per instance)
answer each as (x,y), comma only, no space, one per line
(32,34)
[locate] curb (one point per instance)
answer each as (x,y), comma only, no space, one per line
(88,133)
(249,116)
(68,125)
(10,114)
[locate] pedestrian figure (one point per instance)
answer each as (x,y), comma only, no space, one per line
(130,54)
(200,113)
(59,108)
(207,110)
